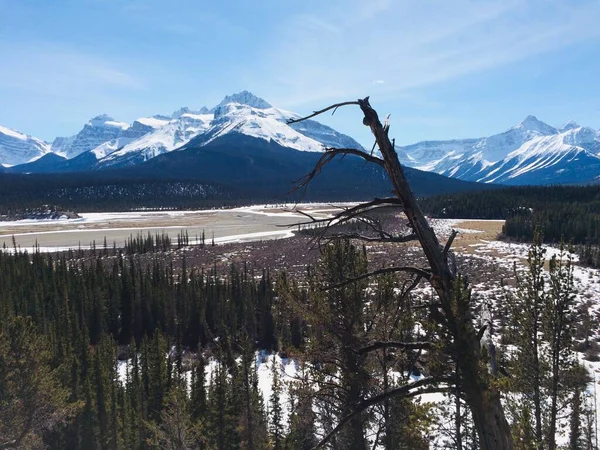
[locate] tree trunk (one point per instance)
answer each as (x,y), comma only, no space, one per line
(537,397)
(490,423)
(484,401)
(457,422)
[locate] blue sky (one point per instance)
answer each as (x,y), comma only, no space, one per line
(443,69)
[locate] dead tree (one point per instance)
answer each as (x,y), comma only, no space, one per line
(453,313)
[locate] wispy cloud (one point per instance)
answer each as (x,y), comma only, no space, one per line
(414,44)
(52,69)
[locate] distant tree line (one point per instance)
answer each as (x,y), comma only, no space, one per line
(569,213)
(94,192)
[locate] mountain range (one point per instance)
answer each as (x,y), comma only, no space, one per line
(531,152)
(106,143)
(240,151)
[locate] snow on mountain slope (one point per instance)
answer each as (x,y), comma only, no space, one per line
(247,114)
(425,155)
(266,123)
(138,130)
(173,134)
(108,147)
(153,122)
(552,156)
(114,143)
(95,132)
(496,147)
(512,156)
(18,148)
(242,113)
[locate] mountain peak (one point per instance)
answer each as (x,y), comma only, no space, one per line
(185,110)
(532,123)
(531,120)
(569,125)
(246,98)
(100,120)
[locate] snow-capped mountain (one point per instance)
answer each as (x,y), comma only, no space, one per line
(247,114)
(95,132)
(105,142)
(170,135)
(18,148)
(531,152)
(569,156)
(241,113)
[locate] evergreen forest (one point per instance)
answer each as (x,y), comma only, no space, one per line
(109,350)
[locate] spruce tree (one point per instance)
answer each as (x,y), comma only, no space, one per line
(275,409)
(529,368)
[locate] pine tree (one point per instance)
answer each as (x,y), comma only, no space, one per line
(558,330)
(529,368)
(198,388)
(175,429)
(32,398)
(253,424)
(275,410)
(301,435)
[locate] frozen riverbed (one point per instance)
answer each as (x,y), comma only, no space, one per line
(225,225)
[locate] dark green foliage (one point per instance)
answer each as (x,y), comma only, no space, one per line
(544,368)
(78,316)
(571,213)
(150,243)
(32,400)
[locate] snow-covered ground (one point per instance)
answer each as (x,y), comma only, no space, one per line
(587,289)
(251,223)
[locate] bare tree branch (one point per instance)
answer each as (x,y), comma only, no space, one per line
(360,237)
(421,272)
(399,391)
(378,345)
(326,157)
(321,111)
(357,213)
(449,242)
(353,211)
(414,284)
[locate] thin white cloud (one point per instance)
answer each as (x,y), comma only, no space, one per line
(413,44)
(51,69)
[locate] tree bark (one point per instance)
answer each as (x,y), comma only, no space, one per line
(483,399)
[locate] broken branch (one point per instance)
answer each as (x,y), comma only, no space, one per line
(321,111)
